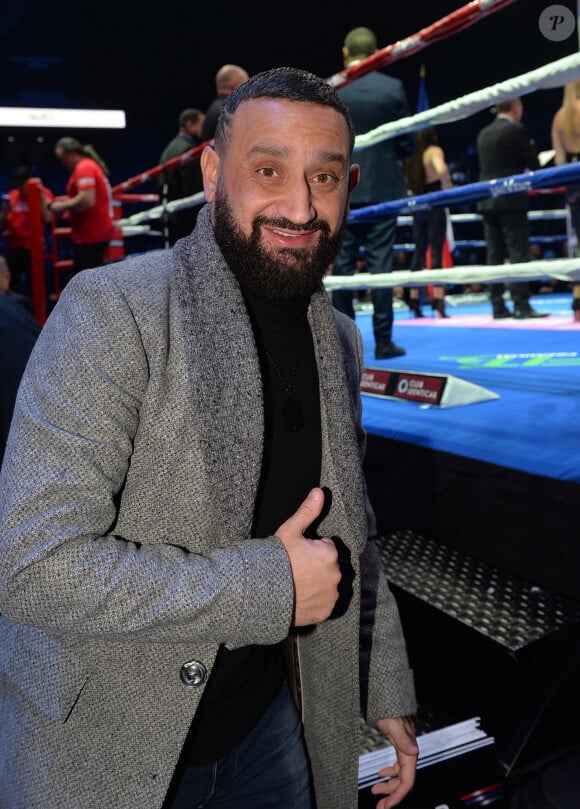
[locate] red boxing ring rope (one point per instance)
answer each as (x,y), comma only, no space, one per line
(150,174)
(458,20)
(137,197)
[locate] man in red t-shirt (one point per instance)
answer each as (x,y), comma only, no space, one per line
(15,225)
(89,203)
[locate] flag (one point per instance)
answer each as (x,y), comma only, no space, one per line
(422,100)
(449,244)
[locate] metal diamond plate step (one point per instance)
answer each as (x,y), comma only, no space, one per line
(505,608)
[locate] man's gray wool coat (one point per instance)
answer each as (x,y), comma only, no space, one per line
(127,495)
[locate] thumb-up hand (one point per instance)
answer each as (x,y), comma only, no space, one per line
(314,563)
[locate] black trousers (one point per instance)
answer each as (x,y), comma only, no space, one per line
(506,233)
(378,239)
(18,260)
(429,229)
(85,256)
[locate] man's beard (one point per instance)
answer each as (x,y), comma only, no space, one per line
(285,273)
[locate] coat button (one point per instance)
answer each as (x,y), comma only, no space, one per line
(193,673)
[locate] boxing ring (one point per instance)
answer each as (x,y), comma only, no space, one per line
(476,505)
(530,366)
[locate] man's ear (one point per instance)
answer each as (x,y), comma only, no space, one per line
(353,177)
(210,162)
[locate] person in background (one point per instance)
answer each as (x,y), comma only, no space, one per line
(190,589)
(19,330)
(425,172)
(227,79)
(373,100)
(6,287)
(565,132)
(88,204)
(183,180)
(15,224)
(504,148)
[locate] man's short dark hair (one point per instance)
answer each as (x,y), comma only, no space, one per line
(289,84)
(189,114)
(505,106)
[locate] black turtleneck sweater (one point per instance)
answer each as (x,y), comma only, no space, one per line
(245,681)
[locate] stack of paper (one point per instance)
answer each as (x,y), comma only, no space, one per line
(436,746)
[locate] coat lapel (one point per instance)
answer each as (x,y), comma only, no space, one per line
(226,387)
(339,374)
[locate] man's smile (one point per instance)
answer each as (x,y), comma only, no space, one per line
(286,238)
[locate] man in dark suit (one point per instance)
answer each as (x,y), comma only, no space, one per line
(227,79)
(373,100)
(6,288)
(185,180)
(19,329)
(504,148)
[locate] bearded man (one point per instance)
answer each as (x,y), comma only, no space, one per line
(193,609)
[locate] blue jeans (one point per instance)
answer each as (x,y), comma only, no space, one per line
(267,770)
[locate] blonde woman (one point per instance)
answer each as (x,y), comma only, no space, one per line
(566,144)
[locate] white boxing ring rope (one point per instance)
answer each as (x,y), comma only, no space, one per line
(157,212)
(131,223)
(565,269)
(555,74)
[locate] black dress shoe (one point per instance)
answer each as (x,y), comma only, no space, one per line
(501,314)
(524,314)
(386,351)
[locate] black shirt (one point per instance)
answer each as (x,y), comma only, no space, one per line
(244,681)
